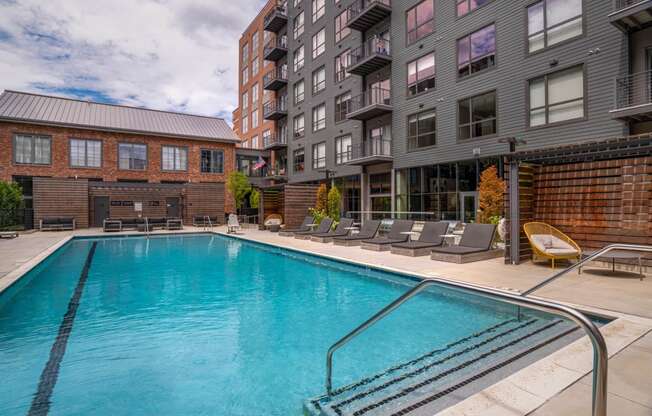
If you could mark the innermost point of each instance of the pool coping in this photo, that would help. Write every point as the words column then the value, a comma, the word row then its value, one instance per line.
column 518, row 394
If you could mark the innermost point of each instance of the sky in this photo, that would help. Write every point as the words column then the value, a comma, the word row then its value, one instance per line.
column 176, row 55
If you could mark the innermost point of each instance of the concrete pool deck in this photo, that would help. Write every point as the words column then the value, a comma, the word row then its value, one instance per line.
column 559, row 384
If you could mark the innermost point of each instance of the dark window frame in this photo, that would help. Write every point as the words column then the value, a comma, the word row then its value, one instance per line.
column 315, row 89
column 177, row 147
column 33, row 153
column 472, row 122
column 417, row 26
column 344, row 30
column 342, row 156
column 295, row 96
column 212, row 152
column 130, row 159
column 493, row 63
column 299, row 166
column 419, row 135
column 316, row 122
column 298, row 65
column 342, row 74
column 302, row 132
column 85, row 166
column 416, row 84
column 340, row 114
column 471, row 10
column 547, row 29
column 546, row 106
column 319, row 162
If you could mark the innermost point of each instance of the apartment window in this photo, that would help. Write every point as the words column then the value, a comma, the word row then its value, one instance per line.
column 319, row 80
column 299, row 125
column 245, row 53
column 31, row 149
column 557, row 97
column 298, row 25
column 299, row 58
column 245, row 123
column 298, row 160
column 342, row 103
column 319, row 155
column 85, row 153
column 174, row 158
column 476, row 51
column 212, row 161
column 245, row 75
column 553, row 21
column 341, row 28
column 132, row 156
column 420, row 21
column 319, row 117
column 476, row 116
column 254, row 95
column 245, row 100
column 341, row 61
column 267, row 137
column 318, row 43
column 254, row 141
column 467, row 6
column 421, row 74
column 342, row 149
column 254, row 66
column 245, row 144
column 422, row 129
column 318, row 9
column 299, row 91
column 254, row 118
column 254, row 42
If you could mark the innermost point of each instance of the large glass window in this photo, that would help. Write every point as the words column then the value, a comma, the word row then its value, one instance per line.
column 174, row 158
column 422, row 129
column 341, row 28
column 85, row 153
column 342, row 103
column 32, row 149
column 212, row 161
column 341, row 61
column 299, row 125
column 476, row 51
column 318, row 43
column 318, row 9
column 477, row 116
column 319, row 117
column 299, row 89
column 132, row 156
column 298, row 160
column 298, row 25
column 245, row 75
column 420, row 21
column 553, row 21
column 319, row 155
column 557, row 97
column 299, row 58
column 245, row 123
column 466, row 6
column 319, row 80
column 254, row 118
column 254, row 95
column 245, row 53
column 245, row 100
column 254, row 66
column 421, row 74
column 342, row 149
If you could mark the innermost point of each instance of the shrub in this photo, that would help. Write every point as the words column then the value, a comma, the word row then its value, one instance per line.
column 491, row 193
column 11, row 197
column 238, row 185
column 334, row 202
column 322, row 198
column 254, row 198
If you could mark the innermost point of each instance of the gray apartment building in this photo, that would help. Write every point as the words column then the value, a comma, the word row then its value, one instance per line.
column 405, row 102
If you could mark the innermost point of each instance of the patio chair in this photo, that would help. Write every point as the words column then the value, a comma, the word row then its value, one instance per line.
column 8, row 234
column 305, row 226
column 342, row 230
column 475, row 245
column 232, row 225
column 112, row 225
column 396, row 235
column 324, row 227
column 57, row 223
column 174, row 224
column 549, row 243
column 273, row 222
column 431, row 237
column 368, row 231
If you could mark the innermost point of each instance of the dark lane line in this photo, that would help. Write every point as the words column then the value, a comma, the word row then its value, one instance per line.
column 41, row 402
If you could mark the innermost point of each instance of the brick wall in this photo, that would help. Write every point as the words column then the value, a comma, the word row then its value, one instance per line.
column 61, row 198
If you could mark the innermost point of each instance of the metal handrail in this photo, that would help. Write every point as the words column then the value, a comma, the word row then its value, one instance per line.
column 210, row 223
column 610, row 247
column 600, row 357
column 146, row 227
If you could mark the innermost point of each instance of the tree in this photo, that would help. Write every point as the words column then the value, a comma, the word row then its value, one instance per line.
column 238, row 185
column 254, row 198
column 491, row 196
column 334, row 202
column 11, row 197
column 322, row 199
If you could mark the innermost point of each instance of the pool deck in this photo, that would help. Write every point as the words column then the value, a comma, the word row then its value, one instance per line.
column 559, row 384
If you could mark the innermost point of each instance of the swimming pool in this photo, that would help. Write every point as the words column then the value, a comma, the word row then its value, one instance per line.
column 206, row 324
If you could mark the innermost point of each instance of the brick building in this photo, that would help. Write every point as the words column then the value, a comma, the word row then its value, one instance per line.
column 106, row 146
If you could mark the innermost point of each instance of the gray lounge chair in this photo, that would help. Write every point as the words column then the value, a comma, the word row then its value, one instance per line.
column 305, row 226
column 431, row 237
column 368, row 231
column 324, row 226
column 475, row 245
column 57, row 223
column 395, row 235
column 342, row 230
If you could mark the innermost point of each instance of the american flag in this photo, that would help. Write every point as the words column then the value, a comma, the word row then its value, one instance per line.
column 260, row 163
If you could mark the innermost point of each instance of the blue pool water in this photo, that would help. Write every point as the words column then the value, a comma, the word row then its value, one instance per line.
column 208, row 325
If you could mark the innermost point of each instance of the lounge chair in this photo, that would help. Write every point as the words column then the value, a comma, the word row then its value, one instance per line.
column 203, row 220
column 431, row 237
column 132, row 223
column 342, row 230
column 232, row 225
column 57, row 223
column 550, row 244
column 155, row 223
column 305, row 226
column 273, row 222
column 324, row 227
column 174, row 224
column 475, row 245
column 368, row 231
column 395, row 235
column 8, row 234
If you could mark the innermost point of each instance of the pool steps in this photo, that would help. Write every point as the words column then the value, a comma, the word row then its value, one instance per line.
column 426, row 384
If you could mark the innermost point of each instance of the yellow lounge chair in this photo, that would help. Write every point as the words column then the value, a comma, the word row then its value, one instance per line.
column 549, row 243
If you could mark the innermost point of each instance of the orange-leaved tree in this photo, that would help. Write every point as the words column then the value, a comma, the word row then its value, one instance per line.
column 322, row 199
column 491, row 193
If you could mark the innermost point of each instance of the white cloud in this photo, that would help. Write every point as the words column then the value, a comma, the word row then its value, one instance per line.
column 166, row 54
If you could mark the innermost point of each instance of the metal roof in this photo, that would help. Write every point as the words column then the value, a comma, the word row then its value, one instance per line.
column 57, row 111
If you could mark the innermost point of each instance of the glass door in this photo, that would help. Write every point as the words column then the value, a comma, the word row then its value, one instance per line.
column 468, row 206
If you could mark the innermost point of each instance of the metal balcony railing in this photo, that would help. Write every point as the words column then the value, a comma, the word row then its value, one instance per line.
column 280, row 10
column 373, row 96
column 280, row 105
column 274, row 140
column 623, row 4
column 374, row 146
column 374, row 46
column 360, row 6
column 276, row 42
column 634, row 90
column 279, row 74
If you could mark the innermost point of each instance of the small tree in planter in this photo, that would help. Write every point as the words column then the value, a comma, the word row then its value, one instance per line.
column 11, row 198
column 320, row 211
column 491, row 196
column 238, row 185
column 254, row 198
column 334, row 203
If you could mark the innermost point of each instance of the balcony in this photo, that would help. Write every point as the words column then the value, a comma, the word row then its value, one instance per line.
column 275, row 109
column 276, row 79
column 276, row 48
column 631, row 15
column 275, row 142
column 370, row 152
column 371, row 56
column 634, row 97
column 363, row 14
column 276, row 18
column 277, row 174
column 372, row 103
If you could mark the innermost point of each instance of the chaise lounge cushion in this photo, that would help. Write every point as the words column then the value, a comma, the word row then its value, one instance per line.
column 551, row 244
column 395, row 234
column 459, row 250
column 368, row 230
column 339, row 231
